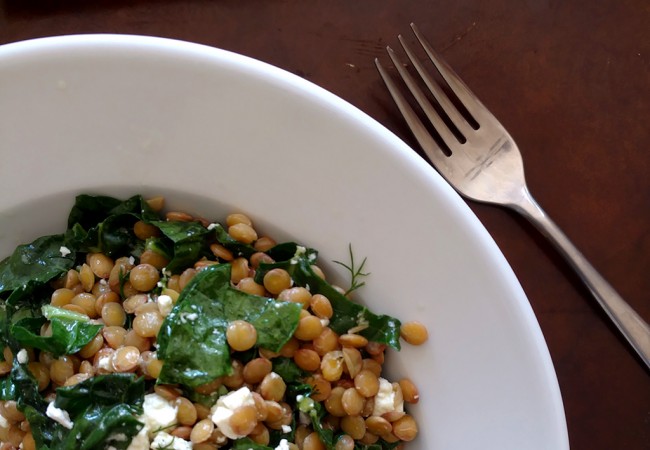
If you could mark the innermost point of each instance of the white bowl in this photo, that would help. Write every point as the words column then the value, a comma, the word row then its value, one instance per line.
column 214, row 132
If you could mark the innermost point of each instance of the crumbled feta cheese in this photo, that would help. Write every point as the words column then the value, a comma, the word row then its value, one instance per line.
column 226, row 405
column 283, row 445
column 119, row 437
column 59, row 415
column 140, row 441
column 212, row 226
column 22, row 356
column 188, row 317
column 65, row 251
column 300, row 251
column 325, row 322
column 286, row 429
column 131, row 260
column 159, row 414
column 385, row 399
column 165, row 304
column 167, row 441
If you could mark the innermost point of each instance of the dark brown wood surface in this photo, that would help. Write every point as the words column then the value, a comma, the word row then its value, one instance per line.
column 569, row 79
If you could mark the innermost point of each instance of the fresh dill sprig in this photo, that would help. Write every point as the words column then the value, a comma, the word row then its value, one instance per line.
column 355, row 272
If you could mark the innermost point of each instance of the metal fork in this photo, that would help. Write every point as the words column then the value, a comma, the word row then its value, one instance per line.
column 485, row 165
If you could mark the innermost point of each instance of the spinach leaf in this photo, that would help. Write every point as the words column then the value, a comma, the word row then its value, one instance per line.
column 91, row 210
column 188, row 241
column 44, row 430
column 192, row 340
column 102, row 410
column 70, row 331
column 104, row 390
column 100, row 427
column 21, row 386
column 287, row 369
column 347, row 314
column 35, row 263
column 100, row 223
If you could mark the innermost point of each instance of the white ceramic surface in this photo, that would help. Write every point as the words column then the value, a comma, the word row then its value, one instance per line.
column 215, row 131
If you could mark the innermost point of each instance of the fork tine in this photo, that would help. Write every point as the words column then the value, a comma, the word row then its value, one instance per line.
column 428, row 144
column 460, row 89
column 443, row 100
column 442, row 129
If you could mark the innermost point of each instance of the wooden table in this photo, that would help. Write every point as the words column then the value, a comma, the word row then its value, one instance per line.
column 569, row 79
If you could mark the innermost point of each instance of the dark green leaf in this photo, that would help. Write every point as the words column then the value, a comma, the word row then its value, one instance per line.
column 24, row 386
column 188, row 241
column 70, row 331
column 102, row 410
column 104, row 390
column 100, row 223
column 35, row 263
column 44, row 430
column 101, row 427
column 192, row 339
column 288, row 370
column 90, row 210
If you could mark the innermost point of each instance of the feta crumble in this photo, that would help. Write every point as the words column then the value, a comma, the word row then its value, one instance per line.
column 59, row 415
column 165, row 304
column 159, row 413
column 283, row 445
column 140, row 441
column 385, row 399
column 119, row 437
column 22, row 356
column 65, row 251
column 223, row 410
column 167, row 441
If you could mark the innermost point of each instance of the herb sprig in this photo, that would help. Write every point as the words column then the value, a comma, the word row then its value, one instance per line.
column 356, row 273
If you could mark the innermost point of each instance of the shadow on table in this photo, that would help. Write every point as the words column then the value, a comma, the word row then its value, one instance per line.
column 25, row 8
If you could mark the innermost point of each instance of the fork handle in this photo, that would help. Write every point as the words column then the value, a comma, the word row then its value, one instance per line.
column 631, row 325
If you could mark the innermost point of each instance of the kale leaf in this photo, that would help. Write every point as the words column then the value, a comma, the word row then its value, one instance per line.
column 192, row 340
